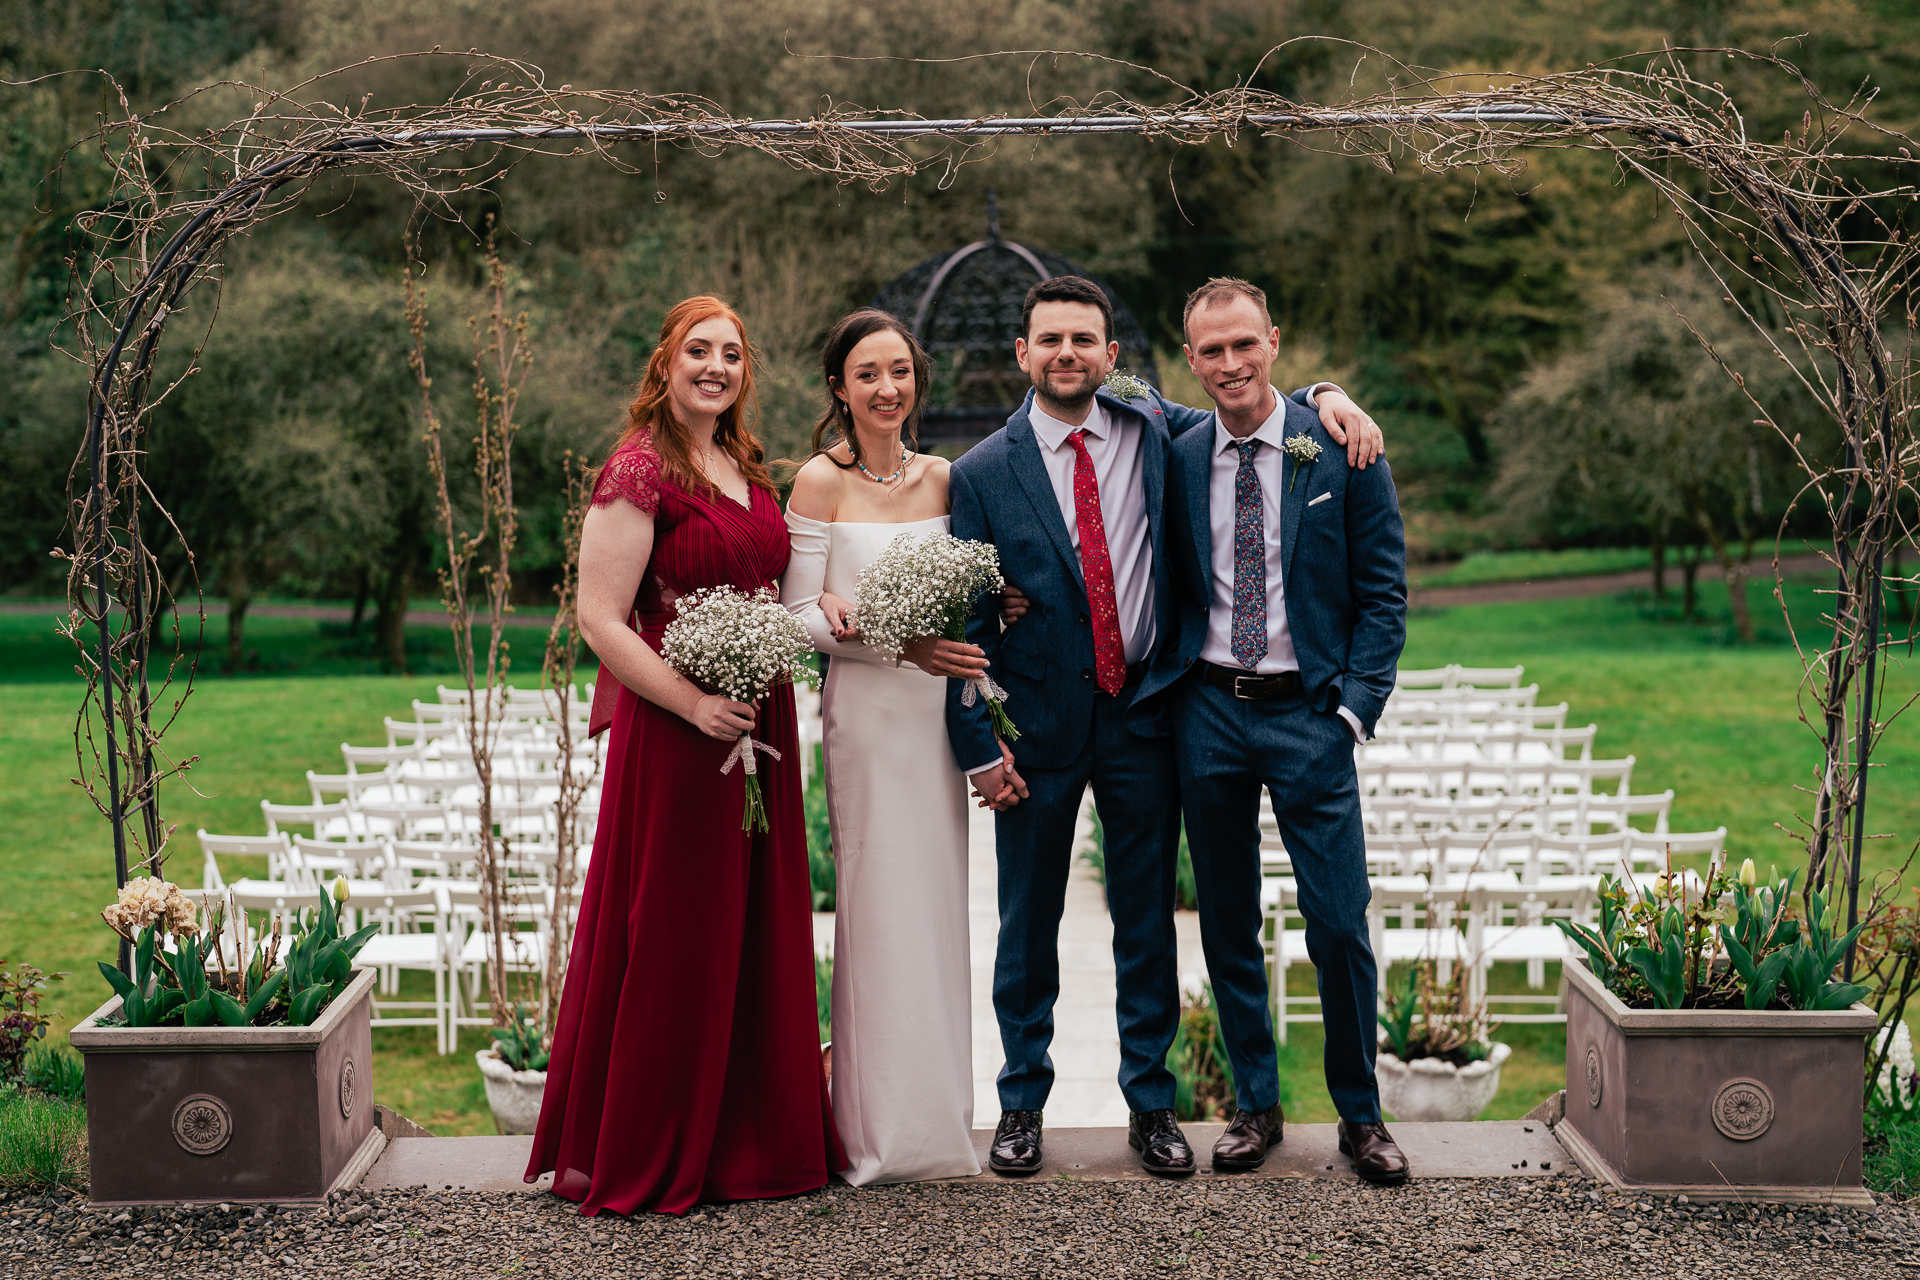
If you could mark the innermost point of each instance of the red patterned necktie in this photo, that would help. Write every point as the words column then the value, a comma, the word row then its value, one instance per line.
column 1109, row 654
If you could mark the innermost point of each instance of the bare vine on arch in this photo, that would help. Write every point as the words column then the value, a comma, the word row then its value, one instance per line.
column 1804, row 233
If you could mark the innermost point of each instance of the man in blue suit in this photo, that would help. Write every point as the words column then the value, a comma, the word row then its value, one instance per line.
column 1071, row 493
column 1290, row 574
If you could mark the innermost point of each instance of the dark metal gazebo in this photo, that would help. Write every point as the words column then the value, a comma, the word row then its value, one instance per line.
column 964, row 306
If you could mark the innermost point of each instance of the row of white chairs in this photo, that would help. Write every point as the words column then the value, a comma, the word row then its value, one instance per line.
column 1478, row 742
column 1455, row 676
column 436, row 927
column 1474, row 901
column 304, row 863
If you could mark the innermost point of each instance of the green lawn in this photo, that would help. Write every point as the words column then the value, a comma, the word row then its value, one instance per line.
column 1530, row 566
column 1709, row 718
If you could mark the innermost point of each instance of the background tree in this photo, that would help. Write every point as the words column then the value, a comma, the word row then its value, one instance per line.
column 1641, row 418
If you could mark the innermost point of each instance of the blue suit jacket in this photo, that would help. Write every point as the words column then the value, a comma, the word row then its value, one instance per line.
column 1344, row 563
column 1000, row 493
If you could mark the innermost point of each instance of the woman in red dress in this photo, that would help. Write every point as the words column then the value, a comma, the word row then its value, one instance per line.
column 686, row 1057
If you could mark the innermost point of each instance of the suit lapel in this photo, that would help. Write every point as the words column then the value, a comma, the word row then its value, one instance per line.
column 1293, row 498
column 1198, row 444
column 1153, row 473
column 1023, row 458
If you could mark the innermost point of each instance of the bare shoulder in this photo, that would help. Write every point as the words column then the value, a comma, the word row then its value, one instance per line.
column 816, row 489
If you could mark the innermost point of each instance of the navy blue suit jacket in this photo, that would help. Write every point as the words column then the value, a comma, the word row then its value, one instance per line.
column 1344, row 563
column 1000, row 493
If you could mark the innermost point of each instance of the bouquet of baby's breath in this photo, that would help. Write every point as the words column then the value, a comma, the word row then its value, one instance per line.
column 739, row 646
column 925, row 585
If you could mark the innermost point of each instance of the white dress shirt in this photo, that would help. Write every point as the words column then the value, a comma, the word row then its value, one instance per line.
column 1115, row 449
column 1267, row 459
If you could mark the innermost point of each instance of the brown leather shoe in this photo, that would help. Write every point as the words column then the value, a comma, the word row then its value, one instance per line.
column 1245, row 1143
column 1375, row 1157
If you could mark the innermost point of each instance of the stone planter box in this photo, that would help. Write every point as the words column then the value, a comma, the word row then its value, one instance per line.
column 1719, row 1104
column 231, row 1113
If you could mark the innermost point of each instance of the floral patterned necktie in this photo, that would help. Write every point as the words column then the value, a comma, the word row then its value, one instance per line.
column 1249, row 638
column 1096, row 566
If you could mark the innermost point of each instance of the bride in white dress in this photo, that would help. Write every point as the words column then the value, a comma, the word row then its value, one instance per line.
column 896, row 797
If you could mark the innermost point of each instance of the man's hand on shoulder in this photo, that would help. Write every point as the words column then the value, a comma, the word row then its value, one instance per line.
column 1351, row 426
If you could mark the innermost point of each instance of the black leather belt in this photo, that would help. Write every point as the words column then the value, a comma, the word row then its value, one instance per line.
column 1247, row 685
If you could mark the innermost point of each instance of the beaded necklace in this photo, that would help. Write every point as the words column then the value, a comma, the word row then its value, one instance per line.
column 905, row 458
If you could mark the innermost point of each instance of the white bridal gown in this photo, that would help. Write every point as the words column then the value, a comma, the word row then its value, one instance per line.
column 902, row 1002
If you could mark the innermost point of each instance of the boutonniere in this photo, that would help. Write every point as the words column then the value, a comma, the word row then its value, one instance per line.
column 1303, row 449
column 1126, row 386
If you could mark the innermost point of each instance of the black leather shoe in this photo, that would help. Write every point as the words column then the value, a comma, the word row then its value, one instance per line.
column 1245, row 1144
column 1375, row 1156
column 1016, row 1144
column 1163, row 1148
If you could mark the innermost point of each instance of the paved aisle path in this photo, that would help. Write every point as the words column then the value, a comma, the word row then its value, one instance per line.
column 1086, row 1039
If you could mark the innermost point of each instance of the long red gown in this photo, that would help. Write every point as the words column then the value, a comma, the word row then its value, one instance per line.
column 686, row 1058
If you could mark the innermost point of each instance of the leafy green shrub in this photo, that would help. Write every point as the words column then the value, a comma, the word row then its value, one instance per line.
column 820, row 867
column 43, row 1142
column 520, row 1044
column 1202, row 1076
column 57, row 1072
column 21, row 1022
column 823, row 993
column 1890, row 1157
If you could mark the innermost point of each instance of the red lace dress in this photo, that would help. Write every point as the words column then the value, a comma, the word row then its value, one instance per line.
column 686, row 1057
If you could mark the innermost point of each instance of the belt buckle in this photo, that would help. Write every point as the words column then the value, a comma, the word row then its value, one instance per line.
column 1246, row 697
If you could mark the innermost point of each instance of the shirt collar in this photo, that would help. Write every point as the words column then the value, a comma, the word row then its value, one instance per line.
column 1272, row 432
column 1053, row 433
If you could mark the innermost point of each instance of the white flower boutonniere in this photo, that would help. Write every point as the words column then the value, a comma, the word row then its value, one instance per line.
column 1303, row 449
column 1126, row 386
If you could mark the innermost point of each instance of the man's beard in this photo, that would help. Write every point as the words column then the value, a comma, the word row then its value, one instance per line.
column 1075, row 400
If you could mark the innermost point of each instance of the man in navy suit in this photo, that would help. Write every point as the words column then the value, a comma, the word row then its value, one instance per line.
column 1290, row 572
column 1071, row 493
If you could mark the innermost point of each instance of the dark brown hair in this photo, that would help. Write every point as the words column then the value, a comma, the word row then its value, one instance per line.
column 1223, row 289
column 1067, row 289
column 652, row 408
column 837, row 422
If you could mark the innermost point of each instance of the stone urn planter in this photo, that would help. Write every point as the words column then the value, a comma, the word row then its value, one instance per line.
column 231, row 1113
column 1431, row 1089
column 1720, row 1104
column 513, row 1095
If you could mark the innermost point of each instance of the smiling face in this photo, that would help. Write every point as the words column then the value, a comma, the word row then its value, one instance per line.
column 1066, row 352
column 1231, row 347
column 877, row 384
column 705, row 376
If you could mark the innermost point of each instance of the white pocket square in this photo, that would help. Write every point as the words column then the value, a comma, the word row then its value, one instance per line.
column 1322, row 498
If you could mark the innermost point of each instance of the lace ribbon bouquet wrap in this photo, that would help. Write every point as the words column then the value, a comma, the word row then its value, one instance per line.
column 926, row 585
column 739, row 646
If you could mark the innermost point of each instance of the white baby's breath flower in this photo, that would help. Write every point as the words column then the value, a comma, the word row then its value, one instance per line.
column 926, row 585
column 735, row 644
column 739, row 646
column 923, row 585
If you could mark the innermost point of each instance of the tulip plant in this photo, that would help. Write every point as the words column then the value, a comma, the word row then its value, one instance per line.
column 194, row 987
column 1664, row 946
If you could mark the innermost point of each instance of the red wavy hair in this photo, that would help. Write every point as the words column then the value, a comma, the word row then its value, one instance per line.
column 651, row 410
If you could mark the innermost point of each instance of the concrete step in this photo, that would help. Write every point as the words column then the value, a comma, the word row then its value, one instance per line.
column 1475, row 1149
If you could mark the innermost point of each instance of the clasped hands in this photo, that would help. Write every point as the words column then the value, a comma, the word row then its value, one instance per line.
column 999, row 787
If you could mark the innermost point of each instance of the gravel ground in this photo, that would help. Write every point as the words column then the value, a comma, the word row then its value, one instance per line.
column 1555, row 1226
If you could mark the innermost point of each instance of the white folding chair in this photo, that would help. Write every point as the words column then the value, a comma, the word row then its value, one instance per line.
column 326, row 821
column 524, row 950
column 416, row 935
column 273, row 848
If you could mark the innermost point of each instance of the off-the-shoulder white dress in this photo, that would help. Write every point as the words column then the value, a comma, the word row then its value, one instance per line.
column 902, row 1005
